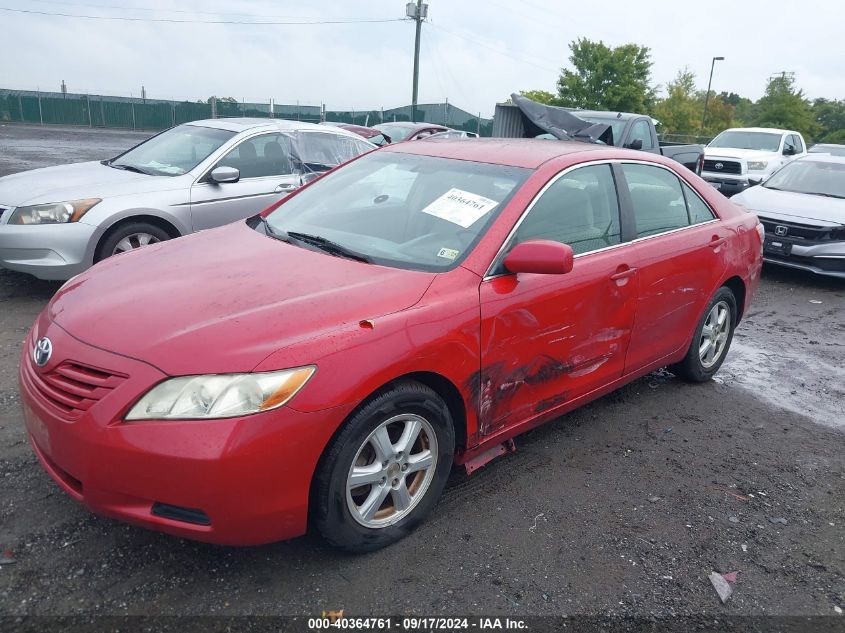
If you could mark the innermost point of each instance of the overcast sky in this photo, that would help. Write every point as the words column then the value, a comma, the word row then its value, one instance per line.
column 475, row 52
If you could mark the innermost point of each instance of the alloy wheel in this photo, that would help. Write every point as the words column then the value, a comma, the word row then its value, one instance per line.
column 392, row 471
column 133, row 241
column 714, row 334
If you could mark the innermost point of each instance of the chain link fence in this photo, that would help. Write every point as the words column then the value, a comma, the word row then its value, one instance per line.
column 59, row 108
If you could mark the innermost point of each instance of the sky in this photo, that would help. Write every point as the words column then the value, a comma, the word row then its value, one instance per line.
column 473, row 52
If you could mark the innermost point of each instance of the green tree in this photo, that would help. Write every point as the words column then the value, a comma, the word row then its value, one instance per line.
column 830, row 115
column 540, row 96
column 604, row 78
column 680, row 111
column 784, row 106
column 720, row 114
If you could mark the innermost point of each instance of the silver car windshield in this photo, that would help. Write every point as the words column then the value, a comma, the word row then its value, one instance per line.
column 173, row 152
column 401, row 210
column 821, row 178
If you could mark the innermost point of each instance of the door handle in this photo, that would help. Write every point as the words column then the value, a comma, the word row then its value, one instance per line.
column 284, row 187
column 623, row 274
column 717, row 241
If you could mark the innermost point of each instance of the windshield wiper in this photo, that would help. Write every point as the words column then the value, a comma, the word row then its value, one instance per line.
column 328, row 246
column 268, row 229
column 826, row 195
column 126, row 167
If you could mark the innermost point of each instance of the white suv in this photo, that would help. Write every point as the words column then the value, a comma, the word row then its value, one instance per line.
column 741, row 157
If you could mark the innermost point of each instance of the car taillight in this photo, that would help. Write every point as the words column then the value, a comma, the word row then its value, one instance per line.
column 761, row 231
column 700, row 164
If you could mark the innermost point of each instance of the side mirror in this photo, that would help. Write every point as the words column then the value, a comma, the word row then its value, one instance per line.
column 224, row 174
column 635, row 144
column 540, row 256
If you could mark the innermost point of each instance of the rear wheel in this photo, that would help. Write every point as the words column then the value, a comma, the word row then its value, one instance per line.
column 711, row 340
column 385, row 470
column 130, row 236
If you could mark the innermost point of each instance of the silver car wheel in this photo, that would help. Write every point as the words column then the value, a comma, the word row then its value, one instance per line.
column 714, row 334
column 392, row 471
column 133, row 241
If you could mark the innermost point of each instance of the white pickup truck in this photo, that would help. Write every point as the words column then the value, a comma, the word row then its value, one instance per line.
column 741, row 157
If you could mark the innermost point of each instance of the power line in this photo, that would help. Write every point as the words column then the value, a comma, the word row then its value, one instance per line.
column 508, row 54
column 191, row 12
column 175, row 21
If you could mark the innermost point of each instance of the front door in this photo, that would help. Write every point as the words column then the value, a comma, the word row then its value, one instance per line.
column 265, row 165
column 548, row 339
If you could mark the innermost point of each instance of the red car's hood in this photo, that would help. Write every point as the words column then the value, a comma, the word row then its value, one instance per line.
column 222, row 300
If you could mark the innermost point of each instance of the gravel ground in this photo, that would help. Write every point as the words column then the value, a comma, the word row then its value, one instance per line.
column 623, row 507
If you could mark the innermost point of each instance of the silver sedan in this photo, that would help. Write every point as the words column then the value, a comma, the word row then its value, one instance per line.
column 57, row 221
column 802, row 207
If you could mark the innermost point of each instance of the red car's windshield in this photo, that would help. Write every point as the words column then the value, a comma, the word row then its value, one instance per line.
column 403, row 210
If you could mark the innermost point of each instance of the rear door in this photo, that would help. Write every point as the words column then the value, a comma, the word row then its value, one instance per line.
column 267, row 174
column 547, row 339
column 679, row 253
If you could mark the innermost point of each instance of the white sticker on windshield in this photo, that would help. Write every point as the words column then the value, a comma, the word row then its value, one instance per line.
column 448, row 253
column 460, row 207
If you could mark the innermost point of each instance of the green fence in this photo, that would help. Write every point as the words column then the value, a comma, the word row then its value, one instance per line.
column 52, row 108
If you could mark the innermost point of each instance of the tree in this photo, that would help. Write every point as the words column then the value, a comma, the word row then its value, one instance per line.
column 540, row 96
column 830, row 116
column 680, row 111
column 616, row 79
column 784, row 106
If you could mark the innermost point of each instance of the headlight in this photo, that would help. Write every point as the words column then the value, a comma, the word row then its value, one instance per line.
column 757, row 165
column 53, row 212
column 220, row 395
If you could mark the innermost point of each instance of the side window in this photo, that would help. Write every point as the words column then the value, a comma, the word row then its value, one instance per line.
column 796, row 143
column 658, row 201
column 789, row 143
column 698, row 210
column 580, row 209
column 261, row 156
column 640, row 130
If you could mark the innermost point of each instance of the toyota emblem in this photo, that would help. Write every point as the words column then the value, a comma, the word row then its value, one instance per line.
column 781, row 230
column 42, row 352
column 719, row 166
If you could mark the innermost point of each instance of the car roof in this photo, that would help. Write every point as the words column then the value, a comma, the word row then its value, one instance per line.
column 410, row 125
column 606, row 114
column 241, row 124
column 515, row 152
column 770, row 130
column 827, row 145
column 822, row 158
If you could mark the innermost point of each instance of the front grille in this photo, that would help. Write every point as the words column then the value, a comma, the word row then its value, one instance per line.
column 71, row 388
column 802, row 233
column 722, row 166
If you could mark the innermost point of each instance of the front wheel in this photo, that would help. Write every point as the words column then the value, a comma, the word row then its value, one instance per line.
column 385, row 470
column 711, row 340
column 128, row 237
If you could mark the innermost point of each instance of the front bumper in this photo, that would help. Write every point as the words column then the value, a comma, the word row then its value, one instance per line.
column 730, row 185
column 249, row 477
column 826, row 259
column 50, row 251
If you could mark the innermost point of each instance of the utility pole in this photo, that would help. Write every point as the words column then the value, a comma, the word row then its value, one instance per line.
column 707, row 96
column 418, row 12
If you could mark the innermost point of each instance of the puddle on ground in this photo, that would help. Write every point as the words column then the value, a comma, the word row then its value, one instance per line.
column 803, row 384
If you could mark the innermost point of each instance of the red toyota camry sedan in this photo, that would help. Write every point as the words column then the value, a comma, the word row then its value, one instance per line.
column 327, row 362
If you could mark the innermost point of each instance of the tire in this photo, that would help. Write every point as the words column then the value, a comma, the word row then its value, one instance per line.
column 134, row 234
column 370, row 516
column 702, row 361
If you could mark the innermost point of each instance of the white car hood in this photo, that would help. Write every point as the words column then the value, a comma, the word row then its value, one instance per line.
column 788, row 205
column 730, row 152
column 78, row 181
